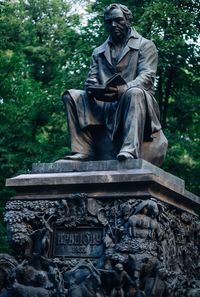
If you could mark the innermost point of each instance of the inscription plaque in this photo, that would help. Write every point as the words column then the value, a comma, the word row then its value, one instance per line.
column 83, row 242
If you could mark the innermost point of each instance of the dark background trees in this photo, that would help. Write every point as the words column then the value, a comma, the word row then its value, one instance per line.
column 45, row 49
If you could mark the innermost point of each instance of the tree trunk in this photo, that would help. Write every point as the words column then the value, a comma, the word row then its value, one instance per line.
column 167, row 95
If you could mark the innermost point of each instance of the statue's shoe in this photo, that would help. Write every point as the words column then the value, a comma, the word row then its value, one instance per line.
column 79, row 157
column 124, row 156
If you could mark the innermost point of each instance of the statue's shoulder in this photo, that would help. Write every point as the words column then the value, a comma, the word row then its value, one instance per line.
column 100, row 49
column 138, row 42
column 147, row 42
column 142, row 41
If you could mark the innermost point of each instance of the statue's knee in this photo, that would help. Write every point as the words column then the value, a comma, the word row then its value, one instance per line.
column 135, row 93
column 66, row 98
column 135, row 96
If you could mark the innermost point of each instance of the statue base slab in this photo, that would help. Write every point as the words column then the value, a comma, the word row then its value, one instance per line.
column 100, row 179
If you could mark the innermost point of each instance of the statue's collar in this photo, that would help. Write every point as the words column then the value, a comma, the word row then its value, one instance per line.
column 132, row 34
column 132, row 41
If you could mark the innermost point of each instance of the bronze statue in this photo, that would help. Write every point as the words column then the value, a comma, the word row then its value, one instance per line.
column 119, row 278
column 118, row 95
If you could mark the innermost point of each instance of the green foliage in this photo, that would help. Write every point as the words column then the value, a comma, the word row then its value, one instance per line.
column 45, row 49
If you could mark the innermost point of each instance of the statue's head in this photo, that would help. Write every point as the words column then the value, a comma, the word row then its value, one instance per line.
column 127, row 14
column 148, row 207
column 117, row 19
column 119, row 267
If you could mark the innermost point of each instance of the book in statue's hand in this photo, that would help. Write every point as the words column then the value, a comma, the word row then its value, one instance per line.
column 98, row 91
column 115, row 80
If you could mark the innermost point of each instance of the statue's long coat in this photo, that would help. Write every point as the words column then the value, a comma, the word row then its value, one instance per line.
column 137, row 65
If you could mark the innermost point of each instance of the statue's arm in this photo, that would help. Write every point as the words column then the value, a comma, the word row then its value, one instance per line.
column 93, row 75
column 101, row 94
column 128, row 278
column 146, row 68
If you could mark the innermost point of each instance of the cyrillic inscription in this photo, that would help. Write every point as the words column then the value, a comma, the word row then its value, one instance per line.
column 79, row 242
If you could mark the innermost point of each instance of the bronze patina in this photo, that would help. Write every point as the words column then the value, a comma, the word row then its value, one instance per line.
column 118, row 96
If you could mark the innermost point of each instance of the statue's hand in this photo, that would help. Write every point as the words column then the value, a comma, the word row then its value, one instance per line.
column 91, row 81
column 113, row 93
column 110, row 95
column 121, row 90
column 101, row 93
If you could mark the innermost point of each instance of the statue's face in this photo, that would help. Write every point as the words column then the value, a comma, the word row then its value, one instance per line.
column 116, row 24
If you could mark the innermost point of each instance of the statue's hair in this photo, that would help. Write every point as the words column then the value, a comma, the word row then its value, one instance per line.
column 127, row 13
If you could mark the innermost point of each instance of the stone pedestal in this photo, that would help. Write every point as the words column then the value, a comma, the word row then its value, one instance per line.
column 102, row 229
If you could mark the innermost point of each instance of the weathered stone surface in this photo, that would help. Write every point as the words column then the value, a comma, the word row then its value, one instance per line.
column 73, row 166
column 70, row 244
column 102, row 178
column 62, row 166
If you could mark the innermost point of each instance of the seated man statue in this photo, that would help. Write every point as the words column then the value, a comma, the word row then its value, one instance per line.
column 118, row 95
